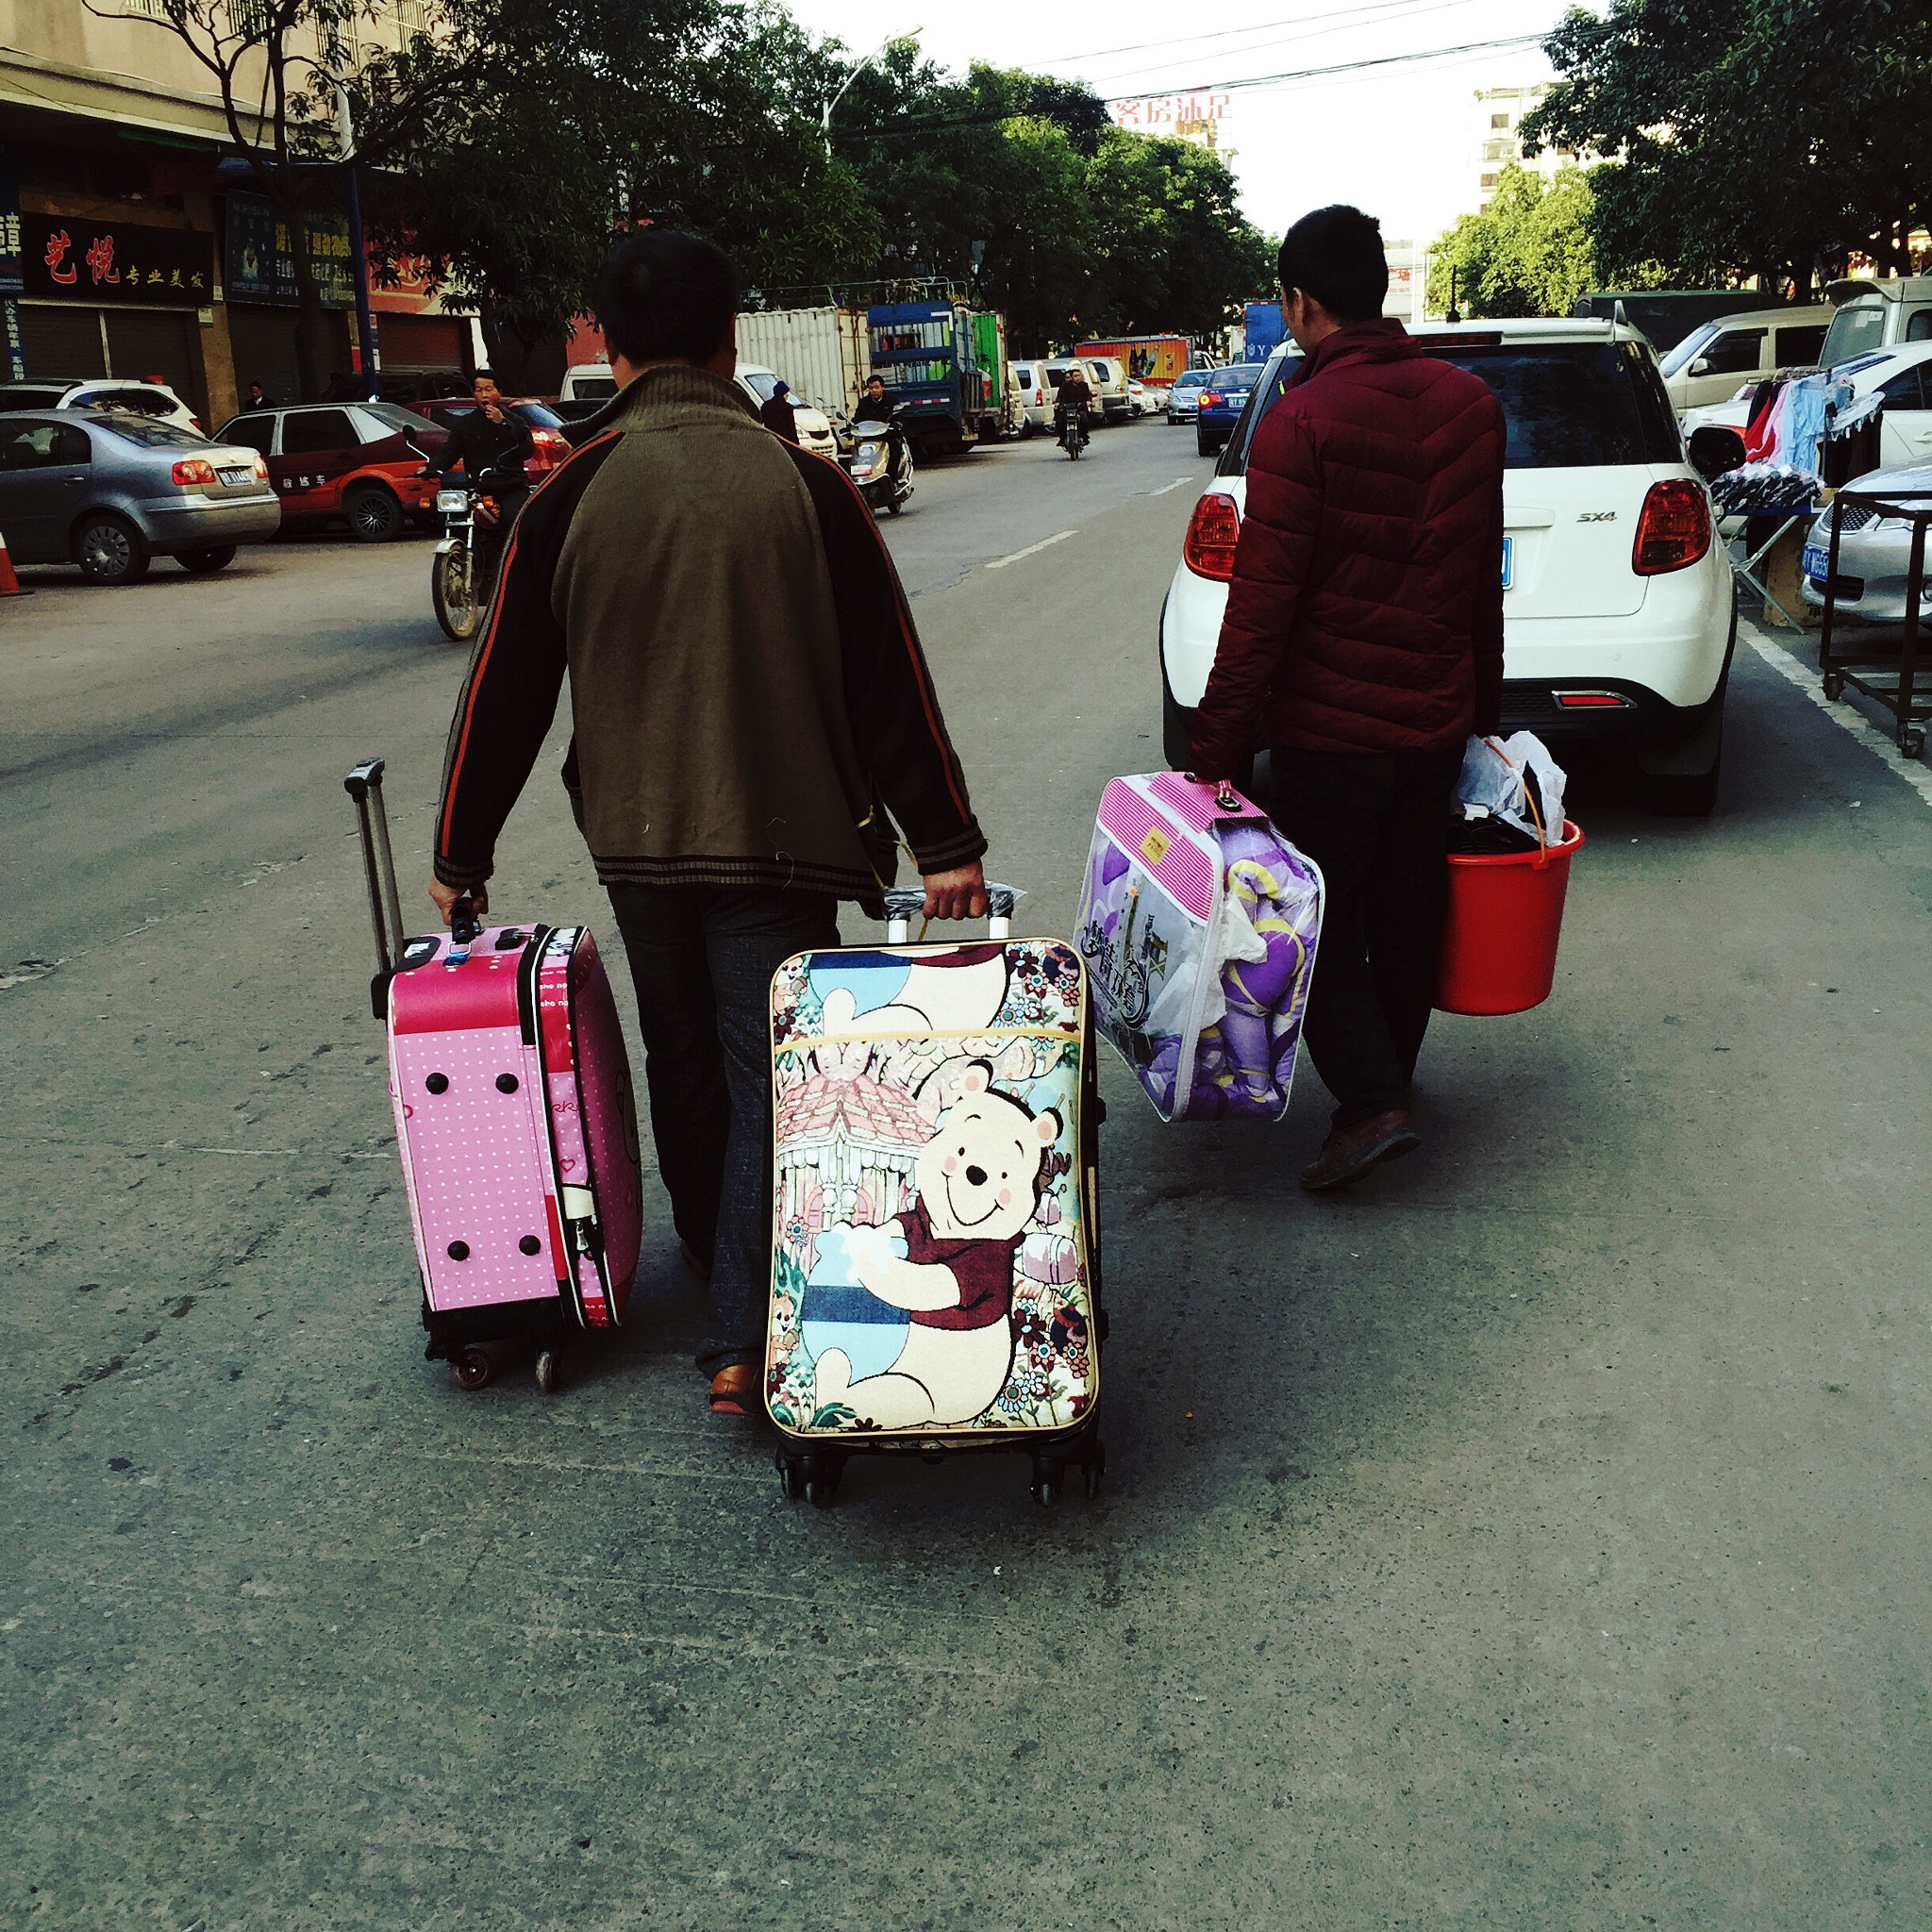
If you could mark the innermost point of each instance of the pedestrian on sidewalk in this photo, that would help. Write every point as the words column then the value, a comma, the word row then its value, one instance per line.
column 780, row 415
column 1363, row 642
column 750, row 702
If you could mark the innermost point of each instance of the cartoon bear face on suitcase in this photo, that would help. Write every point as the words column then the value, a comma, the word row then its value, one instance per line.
column 945, row 1264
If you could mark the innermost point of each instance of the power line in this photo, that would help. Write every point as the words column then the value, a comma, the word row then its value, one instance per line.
column 939, row 124
column 1262, row 27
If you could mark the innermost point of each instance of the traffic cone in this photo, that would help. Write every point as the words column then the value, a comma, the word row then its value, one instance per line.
column 10, row 586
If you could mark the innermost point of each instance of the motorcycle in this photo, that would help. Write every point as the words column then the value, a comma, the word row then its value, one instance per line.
column 462, row 577
column 1074, row 433
column 881, row 469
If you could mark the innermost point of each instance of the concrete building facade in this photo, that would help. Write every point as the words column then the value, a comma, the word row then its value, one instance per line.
column 126, row 248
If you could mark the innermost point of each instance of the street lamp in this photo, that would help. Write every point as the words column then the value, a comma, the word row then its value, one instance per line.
column 891, row 40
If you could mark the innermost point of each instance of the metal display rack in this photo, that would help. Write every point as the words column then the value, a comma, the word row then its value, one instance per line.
column 1885, row 665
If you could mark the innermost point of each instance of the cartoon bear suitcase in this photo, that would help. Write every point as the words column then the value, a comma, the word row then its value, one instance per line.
column 514, row 1120
column 936, row 1253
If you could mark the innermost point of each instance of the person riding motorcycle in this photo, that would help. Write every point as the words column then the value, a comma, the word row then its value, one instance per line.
column 1072, row 400
column 492, row 446
column 875, row 407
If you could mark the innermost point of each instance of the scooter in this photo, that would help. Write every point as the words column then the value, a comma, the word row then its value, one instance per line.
column 881, row 469
column 461, row 579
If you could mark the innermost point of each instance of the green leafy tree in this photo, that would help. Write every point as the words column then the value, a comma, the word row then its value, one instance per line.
column 1528, row 253
column 1773, row 138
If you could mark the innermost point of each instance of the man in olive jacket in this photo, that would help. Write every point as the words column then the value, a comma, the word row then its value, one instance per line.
column 750, row 703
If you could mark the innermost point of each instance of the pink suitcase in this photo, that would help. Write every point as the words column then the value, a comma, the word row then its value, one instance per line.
column 514, row 1120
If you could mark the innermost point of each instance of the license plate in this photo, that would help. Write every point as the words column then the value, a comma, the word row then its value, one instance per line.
column 1509, row 560
column 236, row 475
column 1817, row 562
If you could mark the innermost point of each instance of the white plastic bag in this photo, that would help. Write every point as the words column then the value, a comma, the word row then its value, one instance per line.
column 1491, row 776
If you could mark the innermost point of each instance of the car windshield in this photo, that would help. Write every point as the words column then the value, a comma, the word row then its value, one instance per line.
column 1857, row 327
column 762, row 380
column 395, row 416
column 588, row 385
column 1686, row 350
column 1237, row 376
column 1573, row 406
column 539, row 415
column 148, row 431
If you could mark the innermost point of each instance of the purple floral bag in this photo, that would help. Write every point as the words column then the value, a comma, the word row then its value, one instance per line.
column 1198, row 923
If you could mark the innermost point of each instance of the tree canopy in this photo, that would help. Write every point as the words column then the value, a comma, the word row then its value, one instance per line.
column 1773, row 138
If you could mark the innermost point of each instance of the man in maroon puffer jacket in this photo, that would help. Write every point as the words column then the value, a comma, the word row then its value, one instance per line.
column 1364, row 635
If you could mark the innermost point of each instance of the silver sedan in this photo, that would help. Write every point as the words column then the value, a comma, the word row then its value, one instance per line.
column 111, row 490
column 1875, row 553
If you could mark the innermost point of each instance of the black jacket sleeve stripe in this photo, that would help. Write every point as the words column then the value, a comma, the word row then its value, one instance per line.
column 888, row 692
column 510, row 695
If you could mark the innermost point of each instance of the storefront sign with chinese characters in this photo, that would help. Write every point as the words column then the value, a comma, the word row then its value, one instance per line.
column 10, row 226
column 113, row 263
column 261, row 264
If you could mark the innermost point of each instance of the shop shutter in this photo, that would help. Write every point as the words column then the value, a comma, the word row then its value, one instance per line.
column 421, row 341
column 154, row 342
column 62, row 341
column 263, row 342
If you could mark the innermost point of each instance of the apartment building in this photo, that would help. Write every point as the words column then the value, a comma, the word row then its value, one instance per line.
column 1500, row 114
column 127, row 248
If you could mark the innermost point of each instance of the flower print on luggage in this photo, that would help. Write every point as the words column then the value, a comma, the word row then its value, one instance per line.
column 928, row 1273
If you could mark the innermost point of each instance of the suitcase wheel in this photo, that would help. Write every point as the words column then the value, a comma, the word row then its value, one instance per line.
column 472, row 1368
column 1094, row 1467
column 791, row 1475
column 823, row 1469
column 1048, row 1474
column 549, row 1370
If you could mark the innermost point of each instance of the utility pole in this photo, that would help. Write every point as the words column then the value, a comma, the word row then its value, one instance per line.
column 358, row 251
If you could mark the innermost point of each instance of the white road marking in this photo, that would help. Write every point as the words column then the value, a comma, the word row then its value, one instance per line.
column 1806, row 677
column 1032, row 549
column 1166, row 487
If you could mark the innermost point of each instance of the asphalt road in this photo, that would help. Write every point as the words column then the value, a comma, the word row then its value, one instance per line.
column 1536, row 1537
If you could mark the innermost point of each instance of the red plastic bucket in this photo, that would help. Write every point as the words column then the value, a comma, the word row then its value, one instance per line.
column 1499, row 937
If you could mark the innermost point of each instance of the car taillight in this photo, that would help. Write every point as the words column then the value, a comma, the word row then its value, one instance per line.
column 1213, row 531
column 1211, row 399
column 196, row 421
column 261, row 469
column 1673, row 529
column 194, row 470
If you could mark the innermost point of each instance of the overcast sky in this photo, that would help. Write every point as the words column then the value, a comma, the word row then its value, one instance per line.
column 1398, row 140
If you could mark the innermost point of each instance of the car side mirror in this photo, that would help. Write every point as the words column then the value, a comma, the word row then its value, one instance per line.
column 1699, row 367
column 1715, row 451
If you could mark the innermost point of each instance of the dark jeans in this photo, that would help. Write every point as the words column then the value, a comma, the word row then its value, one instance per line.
column 1378, row 827
column 702, row 960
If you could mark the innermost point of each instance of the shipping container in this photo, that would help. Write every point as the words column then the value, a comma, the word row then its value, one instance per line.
column 823, row 353
column 1152, row 359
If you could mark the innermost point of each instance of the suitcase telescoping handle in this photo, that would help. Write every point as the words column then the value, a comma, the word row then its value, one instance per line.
column 904, row 902
column 364, row 784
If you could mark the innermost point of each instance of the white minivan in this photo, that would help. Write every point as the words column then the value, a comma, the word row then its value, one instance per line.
column 1876, row 315
column 1027, row 380
column 1715, row 360
column 1617, row 606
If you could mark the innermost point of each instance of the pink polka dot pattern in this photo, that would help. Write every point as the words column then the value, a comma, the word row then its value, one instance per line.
column 474, row 1164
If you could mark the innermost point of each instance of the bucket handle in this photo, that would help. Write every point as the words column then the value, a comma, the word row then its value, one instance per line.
column 1543, row 837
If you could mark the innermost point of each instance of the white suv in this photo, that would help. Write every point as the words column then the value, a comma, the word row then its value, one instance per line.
column 155, row 400
column 1619, row 618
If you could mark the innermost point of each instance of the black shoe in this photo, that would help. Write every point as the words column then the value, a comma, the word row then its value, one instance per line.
column 1349, row 1153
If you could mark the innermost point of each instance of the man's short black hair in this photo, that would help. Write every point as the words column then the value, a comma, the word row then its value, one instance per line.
column 477, row 375
column 1335, row 255
column 661, row 293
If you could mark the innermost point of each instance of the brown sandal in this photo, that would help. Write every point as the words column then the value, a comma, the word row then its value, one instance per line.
column 733, row 1389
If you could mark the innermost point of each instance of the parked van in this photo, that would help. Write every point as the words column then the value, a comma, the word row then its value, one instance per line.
column 1718, row 358
column 1876, row 315
column 1028, row 379
column 588, row 382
